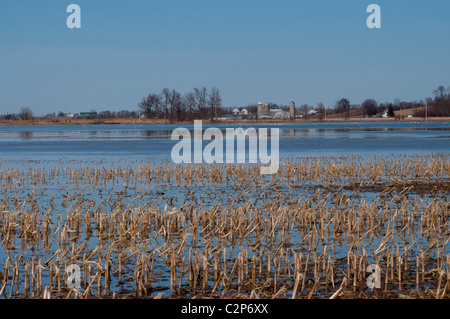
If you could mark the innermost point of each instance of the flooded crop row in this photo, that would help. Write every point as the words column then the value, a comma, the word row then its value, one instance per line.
column 316, row 229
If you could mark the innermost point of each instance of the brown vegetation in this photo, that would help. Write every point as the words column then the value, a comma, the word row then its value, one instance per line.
column 310, row 231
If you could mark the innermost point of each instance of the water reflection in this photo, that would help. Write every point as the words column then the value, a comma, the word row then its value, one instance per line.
column 26, row 135
column 155, row 132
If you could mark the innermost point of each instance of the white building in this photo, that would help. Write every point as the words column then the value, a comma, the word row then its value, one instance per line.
column 274, row 114
column 281, row 115
column 242, row 112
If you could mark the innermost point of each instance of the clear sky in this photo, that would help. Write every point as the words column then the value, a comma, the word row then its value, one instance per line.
column 253, row 50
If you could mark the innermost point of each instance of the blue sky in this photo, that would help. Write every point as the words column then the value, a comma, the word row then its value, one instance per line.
column 252, row 50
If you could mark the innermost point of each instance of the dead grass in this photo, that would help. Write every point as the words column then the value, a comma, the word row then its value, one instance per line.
column 311, row 231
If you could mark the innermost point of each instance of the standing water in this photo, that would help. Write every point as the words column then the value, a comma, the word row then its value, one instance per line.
column 109, row 200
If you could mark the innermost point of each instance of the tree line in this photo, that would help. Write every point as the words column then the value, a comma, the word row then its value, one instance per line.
column 200, row 103
column 205, row 104
column 438, row 106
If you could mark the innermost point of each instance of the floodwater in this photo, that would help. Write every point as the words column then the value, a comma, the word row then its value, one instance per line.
column 153, row 142
column 25, row 147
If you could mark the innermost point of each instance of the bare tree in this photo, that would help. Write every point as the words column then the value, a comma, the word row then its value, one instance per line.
column 305, row 109
column 321, row 111
column 214, row 102
column 439, row 92
column 441, row 102
column 177, row 106
column 370, row 107
column 26, row 113
column 172, row 105
column 166, row 97
column 201, row 98
column 397, row 102
column 343, row 106
column 190, row 105
column 150, row 105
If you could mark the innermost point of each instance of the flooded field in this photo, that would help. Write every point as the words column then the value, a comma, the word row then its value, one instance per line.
column 348, row 198
column 153, row 143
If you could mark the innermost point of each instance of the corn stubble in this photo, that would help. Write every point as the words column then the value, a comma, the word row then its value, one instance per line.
column 225, row 231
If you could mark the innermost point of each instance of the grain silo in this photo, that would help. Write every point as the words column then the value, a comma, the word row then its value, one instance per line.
column 292, row 110
column 260, row 108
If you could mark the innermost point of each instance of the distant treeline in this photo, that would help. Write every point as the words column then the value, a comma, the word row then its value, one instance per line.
column 27, row 114
column 205, row 104
column 439, row 106
column 170, row 104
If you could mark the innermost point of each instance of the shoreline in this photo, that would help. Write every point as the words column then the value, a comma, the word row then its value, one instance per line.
column 127, row 121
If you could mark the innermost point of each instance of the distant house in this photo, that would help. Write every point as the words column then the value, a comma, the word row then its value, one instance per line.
column 242, row 112
column 88, row 113
column 265, row 115
column 274, row 114
column 385, row 114
column 281, row 115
